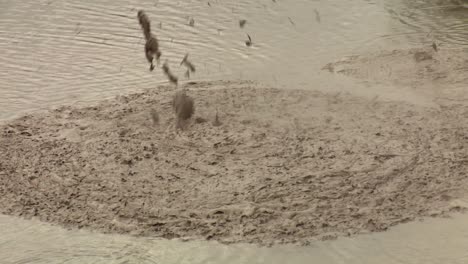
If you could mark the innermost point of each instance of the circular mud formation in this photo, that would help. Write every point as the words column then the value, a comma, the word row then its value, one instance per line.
column 281, row 166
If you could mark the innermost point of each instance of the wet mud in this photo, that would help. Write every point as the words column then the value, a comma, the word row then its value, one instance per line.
column 279, row 166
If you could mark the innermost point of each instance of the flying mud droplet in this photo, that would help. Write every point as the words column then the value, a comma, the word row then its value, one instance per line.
column 78, row 28
column 170, row 76
column 187, row 63
column 145, row 23
column 192, row 22
column 152, row 51
column 248, row 42
column 317, row 16
column 152, row 45
column 184, row 108
column 242, row 23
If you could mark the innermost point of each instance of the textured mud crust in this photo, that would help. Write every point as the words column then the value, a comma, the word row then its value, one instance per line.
column 281, row 166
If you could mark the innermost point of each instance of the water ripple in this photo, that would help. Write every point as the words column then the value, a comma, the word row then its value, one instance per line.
column 56, row 52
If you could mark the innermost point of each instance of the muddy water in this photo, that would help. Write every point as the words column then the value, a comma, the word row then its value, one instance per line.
column 61, row 52
column 443, row 21
column 432, row 241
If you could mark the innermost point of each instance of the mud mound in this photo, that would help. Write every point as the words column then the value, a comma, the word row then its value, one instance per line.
column 282, row 166
column 443, row 72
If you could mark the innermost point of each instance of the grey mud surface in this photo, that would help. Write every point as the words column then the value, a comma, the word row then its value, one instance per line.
column 284, row 166
column 442, row 73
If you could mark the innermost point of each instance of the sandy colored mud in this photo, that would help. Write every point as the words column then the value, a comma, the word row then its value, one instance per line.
column 441, row 74
column 283, row 165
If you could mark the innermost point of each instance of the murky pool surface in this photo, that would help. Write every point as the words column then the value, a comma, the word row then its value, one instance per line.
column 433, row 241
column 72, row 52
column 68, row 51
